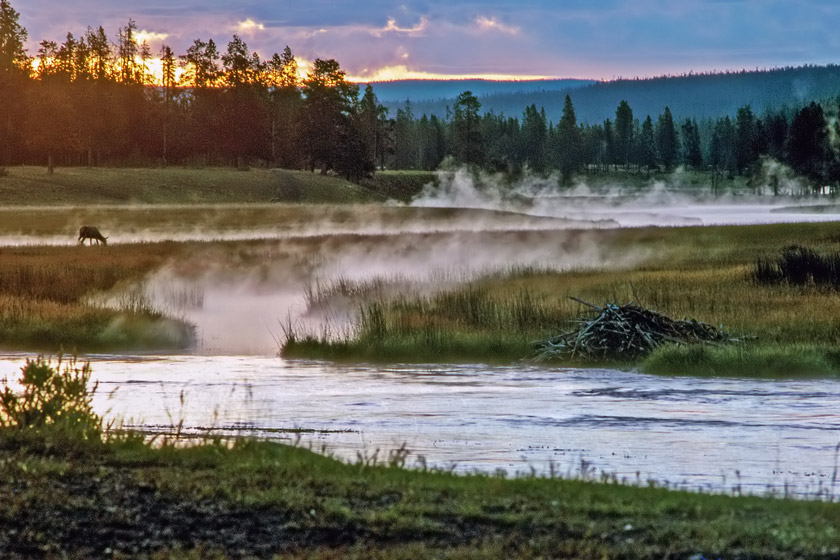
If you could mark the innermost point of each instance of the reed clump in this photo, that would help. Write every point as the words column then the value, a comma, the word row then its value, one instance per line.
column 799, row 266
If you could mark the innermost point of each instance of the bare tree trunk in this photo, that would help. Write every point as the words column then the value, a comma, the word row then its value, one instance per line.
column 165, row 127
column 50, row 165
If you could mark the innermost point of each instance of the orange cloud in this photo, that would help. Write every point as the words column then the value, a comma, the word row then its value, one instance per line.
column 402, row 72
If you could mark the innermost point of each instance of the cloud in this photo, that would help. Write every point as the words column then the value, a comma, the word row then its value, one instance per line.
column 392, row 27
column 248, row 27
column 492, row 24
column 151, row 36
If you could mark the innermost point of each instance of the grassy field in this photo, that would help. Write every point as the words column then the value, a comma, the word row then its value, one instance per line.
column 75, row 488
column 174, row 185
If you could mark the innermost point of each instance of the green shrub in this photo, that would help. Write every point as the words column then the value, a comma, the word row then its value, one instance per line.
column 55, row 399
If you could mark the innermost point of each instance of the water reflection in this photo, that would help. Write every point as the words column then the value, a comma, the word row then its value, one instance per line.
column 713, row 434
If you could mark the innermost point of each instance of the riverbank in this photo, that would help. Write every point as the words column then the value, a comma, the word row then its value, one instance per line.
column 126, row 499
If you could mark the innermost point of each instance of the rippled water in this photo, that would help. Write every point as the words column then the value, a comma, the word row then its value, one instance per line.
column 714, row 434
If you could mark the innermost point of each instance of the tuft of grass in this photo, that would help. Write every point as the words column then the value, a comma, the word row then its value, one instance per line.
column 799, row 266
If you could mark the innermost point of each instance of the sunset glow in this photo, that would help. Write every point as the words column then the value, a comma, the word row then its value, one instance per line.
column 390, row 40
column 401, row 72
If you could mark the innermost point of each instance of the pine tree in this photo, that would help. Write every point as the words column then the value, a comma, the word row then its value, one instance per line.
column 468, row 143
column 647, row 145
column 808, row 148
column 692, row 152
column 745, row 140
column 568, row 142
column 667, row 140
column 624, row 133
column 13, row 57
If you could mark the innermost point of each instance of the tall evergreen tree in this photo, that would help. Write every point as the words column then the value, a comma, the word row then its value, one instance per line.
column 14, row 71
column 692, row 151
column 624, row 133
column 647, row 145
column 168, row 82
column 722, row 151
column 745, row 140
column 467, row 141
column 13, row 57
column 808, row 148
column 372, row 119
column 568, row 142
column 127, row 52
column 286, row 102
column 533, row 138
column 406, row 148
column 329, row 138
column 667, row 139
column 609, row 144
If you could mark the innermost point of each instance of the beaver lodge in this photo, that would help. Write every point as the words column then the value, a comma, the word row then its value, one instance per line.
column 626, row 332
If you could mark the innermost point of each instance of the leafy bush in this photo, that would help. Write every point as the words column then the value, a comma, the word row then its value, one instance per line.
column 54, row 398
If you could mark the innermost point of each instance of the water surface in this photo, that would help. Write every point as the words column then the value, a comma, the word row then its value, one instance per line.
column 711, row 434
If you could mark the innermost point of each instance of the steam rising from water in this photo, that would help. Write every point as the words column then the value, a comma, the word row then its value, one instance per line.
column 310, row 266
column 240, row 305
column 777, row 198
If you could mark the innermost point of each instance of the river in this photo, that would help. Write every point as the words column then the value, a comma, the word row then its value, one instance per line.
column 719, row 435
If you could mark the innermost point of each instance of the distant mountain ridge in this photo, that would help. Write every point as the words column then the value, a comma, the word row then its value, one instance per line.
column 397, row 91
column 693, row 95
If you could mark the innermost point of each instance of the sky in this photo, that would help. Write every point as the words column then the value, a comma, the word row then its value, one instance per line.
column 496, row 39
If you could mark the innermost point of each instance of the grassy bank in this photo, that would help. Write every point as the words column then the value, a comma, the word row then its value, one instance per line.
column 700, row 273
column 74, row 488
column 45, row 305
column 262, row 500
column 174, row 185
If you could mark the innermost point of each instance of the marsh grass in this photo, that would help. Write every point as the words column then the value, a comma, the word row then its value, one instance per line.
column 691, row 273
column 45, row 305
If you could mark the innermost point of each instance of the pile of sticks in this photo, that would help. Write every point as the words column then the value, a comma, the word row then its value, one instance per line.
column 625, row 332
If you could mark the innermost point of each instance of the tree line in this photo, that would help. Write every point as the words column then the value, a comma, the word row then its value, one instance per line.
column 91, row 101
column 800, row 138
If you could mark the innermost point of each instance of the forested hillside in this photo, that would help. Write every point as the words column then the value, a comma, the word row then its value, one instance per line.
column 393, row 94
column 695, row 95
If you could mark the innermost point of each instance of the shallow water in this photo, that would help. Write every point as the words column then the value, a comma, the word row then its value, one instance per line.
column 711, row 434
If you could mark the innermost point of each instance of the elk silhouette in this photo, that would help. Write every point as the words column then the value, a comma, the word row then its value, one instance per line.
column 91, row 233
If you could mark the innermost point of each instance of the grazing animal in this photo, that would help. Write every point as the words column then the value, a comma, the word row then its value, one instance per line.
column 91, row 233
